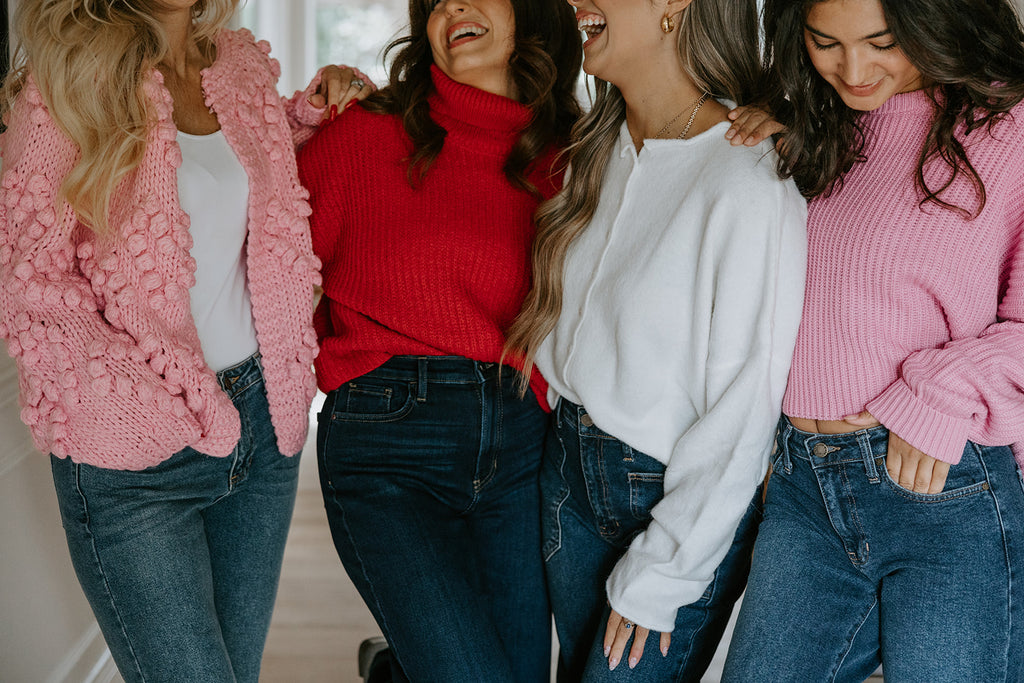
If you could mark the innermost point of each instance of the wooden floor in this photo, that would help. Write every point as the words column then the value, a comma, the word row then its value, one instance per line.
column 319, row 619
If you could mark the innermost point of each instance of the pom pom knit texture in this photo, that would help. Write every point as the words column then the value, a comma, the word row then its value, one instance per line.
column 111, row 369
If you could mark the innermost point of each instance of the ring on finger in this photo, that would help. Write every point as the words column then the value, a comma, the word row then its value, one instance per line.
column 357, row 83
column 627, row 624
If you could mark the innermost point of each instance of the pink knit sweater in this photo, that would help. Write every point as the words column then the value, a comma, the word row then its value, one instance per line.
column 110, row 364
column 912, row 311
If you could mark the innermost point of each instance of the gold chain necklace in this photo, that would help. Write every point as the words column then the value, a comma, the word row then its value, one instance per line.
column 696, row 105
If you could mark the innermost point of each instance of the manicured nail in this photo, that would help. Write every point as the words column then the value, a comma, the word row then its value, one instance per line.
column 729, row 134
column 349, row 104
column 334, row 111
column 607, row 650
column 612, row 663
column 664, row 651
column 633, row 661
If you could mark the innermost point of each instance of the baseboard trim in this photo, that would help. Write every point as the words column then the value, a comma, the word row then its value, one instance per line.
column 87, row 661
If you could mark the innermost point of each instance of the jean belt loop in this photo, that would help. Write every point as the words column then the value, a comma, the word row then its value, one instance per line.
column 421, row 380
column 557, row 410
column 332, row 396
column 868, row 455
column 787, row 462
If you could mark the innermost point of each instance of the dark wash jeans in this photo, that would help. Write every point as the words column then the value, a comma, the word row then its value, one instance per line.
column 428, row 467
column 597, row 495
column 850, row 569
column 180, row 561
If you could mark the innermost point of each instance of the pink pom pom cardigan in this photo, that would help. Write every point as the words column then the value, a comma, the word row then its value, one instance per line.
column 110, row 365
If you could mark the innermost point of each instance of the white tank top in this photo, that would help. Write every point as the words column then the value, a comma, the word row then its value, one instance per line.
column 213, row 189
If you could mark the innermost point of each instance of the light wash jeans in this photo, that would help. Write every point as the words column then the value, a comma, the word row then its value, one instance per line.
column 851, row 570
column 180, row 561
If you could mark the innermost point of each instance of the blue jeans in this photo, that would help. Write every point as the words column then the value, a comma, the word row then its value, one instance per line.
column 597, row 494
column 180, row 561
column 851, row 570
column 428, row 467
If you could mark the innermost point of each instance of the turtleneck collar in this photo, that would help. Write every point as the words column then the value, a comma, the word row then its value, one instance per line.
column 494, row 122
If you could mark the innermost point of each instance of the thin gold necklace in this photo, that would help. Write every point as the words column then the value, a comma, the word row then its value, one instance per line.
column 695, row 105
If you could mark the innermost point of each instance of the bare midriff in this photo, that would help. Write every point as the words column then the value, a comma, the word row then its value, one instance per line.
column 822, row 426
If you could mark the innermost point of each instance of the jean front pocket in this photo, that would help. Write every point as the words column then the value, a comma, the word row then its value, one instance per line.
column 966, row 478
column 373, row 399
column 645, row 490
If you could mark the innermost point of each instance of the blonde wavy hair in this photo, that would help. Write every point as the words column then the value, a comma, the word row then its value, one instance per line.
column 718, row 46
column 90, row 59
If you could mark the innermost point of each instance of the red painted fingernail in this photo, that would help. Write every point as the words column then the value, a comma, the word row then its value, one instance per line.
column 334, row 111
column 349, row 104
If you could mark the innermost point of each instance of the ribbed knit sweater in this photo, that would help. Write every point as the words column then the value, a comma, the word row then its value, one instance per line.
column 437, row 269
column 912, row 311
column 111, row 369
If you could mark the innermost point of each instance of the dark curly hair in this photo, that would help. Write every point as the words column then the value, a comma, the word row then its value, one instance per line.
column 545, row 65
column 970, row 54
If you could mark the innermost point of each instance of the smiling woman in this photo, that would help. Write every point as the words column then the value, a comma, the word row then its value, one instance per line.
column 472, row 53
column 893, row 477
column 422, row 203
column 859, row 58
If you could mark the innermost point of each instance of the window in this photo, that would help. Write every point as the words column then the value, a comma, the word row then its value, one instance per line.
column 356, row 32
column 310, row 33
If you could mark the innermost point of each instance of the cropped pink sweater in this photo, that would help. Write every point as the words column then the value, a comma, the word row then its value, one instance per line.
column 110, row 365
column 914, row 312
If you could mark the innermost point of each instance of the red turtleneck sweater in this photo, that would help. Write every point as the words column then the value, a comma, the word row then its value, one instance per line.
column 439, row 269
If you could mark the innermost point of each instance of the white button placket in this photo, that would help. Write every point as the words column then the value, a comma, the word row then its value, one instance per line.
column 627, row 151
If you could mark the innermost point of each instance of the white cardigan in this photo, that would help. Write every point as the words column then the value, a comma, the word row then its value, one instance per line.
column 681, row 305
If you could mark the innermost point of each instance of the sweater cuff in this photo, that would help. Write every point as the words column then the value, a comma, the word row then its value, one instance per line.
column 304, row 112
column 648, row 597
column 926, row 429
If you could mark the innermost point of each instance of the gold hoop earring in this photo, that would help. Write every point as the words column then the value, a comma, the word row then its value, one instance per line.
column 668, row 24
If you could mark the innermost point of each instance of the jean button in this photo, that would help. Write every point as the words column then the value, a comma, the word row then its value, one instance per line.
column 821, row 450
column 586, row 420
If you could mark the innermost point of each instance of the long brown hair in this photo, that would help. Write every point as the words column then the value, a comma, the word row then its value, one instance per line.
column 545, row 64
column 970, row 53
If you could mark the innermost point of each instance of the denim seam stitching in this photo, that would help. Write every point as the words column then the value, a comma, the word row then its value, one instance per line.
column 955, row 494
column 944, row 496
column 855, row 557
column 99, row 563
column 561, row 501
column 377, row 418
column 849, row 641
column 690, row 642
column 336, row 500
column 605, row 508
column 1006, row 555
column 479, row 482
